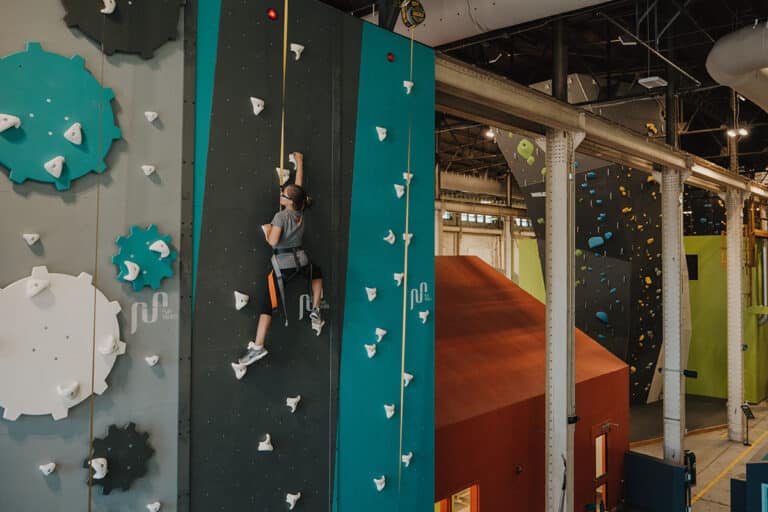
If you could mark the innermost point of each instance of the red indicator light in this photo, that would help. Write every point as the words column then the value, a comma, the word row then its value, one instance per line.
column 272, row 14
column 391, row 57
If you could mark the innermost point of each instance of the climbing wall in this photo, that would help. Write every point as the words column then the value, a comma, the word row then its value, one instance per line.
column 372, row 439
column 703, row 212
column 618, row 254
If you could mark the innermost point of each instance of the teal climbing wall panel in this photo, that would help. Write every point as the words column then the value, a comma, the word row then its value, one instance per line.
column 368, row 442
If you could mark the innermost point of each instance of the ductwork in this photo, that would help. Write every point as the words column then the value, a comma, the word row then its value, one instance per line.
column 740, row 61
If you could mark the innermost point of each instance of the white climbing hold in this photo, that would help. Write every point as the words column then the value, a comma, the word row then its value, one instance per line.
column 371, row 350
column 154, row 506
column 151, row 116
column 31, row 238
column 111, row 345
column 7, row 120
column 389, row 410
column 407, row 237
column 380, row 483
column 407, row 458
column 148, row 169
column 371, row 293
column 380, row 333
column 35, row 286
column 241, row 300
column 240, row 370
column 161, row 247
column 133, row 270
column 291, row 499
column 68, row 391
column 109, row 6
column 408, row 86
column 54, row 166
column 47, row 469
column 407, row 378
column 266, row 444
column 399, row 190
column 100, row 468
column 257, row 104
column 390, row 238
column 407, row 176
column 152, row 360
column 398, row 278
column 74, row 134
column 381, row 132
column 296, row 49
column 423, row 315
column 283, row 175
column 293, row 402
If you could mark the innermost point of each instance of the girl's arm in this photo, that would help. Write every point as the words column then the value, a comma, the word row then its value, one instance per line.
column 272, row 234
column 299, row 168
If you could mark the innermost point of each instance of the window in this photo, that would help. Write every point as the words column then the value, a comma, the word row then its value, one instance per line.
column 601, row 455
column 467, row 500
column 601, row 498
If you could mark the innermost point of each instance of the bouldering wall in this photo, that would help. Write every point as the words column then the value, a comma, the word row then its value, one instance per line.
column 78, row 219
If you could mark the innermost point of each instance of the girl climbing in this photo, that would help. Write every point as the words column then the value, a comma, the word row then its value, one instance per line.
column 285, row 234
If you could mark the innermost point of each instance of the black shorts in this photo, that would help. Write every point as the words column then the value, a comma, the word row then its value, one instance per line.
column 271, row 300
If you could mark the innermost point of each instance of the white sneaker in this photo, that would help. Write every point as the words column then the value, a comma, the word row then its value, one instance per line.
column 254, row 353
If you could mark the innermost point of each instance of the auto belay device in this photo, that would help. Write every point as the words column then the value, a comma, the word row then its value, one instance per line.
column 412, row 13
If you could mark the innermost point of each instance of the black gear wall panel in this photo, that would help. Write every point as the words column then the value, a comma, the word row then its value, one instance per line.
column 228, row 416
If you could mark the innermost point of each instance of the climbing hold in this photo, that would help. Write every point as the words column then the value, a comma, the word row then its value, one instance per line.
column 525, row 149
column 35, row 286
column 380, row 333
column 598, row 202
column 626, row 209
column 591, row 175
column 592, row 192
column 649, row 241
column 391, row 57
column 74, row 134
column 371, row 293
column 595, row 241
column 111, row 346
column 578, row 252
column 128, row 452
column 399, row 190
column 389, row 410
column 648, row 280
column 602, row 316
column 148, row 169
column 632, row 369
column 408, row 86
column 109, row 6
column 100, row 468
column 31, row 238
column 407, row 458
column 292, row 402
column 48, row 468
column 398, row 278
column 151, row 116
column 584, row 185
column 240, row 370
column 68, row 391
column 601, row 217
column 291, row 499
column 7, row 120
column 283, row 175
column 266, row 444
column 54, row 166
column 370, row 350
column 380, row 482
column 154, row 506
column 297, row 49
column 407, row 237
column 390, row 238
column 151, row 267
column 407, row 177
column 407, row 378
column 382, row 133
column 159, row 246
column 241, row 300
column 152, row 360
column 608, row 235
column 257, row 104
column 543, row 172
column 612, row 291
column 423, row 315
column 540, row 221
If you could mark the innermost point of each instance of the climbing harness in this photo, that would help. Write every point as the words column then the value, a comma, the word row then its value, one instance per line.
column 298, row 269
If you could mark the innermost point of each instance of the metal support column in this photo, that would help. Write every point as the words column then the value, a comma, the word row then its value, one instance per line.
column 560, row 395
column 671, row 286
column 507, row 237
column 560, row 62
column 438, row 230
column 734, row 209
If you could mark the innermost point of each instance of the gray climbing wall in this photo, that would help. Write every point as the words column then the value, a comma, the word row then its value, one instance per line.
column 67, row 223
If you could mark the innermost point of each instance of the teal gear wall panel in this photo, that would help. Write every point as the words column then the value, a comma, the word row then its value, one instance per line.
column 135, row 248
column 368, row 442
column 49, row 93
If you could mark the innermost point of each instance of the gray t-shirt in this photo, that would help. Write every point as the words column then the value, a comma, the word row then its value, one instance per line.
column 291, row 223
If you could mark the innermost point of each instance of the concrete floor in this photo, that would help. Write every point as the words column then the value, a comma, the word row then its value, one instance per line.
column 714, row 455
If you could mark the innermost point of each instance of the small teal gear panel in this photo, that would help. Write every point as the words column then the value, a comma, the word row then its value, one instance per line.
column 50, row 93
column 134, row 248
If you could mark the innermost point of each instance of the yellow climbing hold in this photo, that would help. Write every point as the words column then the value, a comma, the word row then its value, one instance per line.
column 626, row 209
column 632, row 369
column 650, row 179
column 641, row 338
column 650, row 241
column 648, row 280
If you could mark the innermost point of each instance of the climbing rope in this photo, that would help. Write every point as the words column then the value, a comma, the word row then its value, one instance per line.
column 282, row 107
column 405, row 277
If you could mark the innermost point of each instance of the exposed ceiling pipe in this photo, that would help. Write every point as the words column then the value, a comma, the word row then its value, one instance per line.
column 740, row 61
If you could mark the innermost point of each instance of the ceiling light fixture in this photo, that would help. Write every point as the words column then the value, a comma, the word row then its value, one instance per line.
column 731, row 133
column 743, row 132
column 489, row 133
column 652, row 82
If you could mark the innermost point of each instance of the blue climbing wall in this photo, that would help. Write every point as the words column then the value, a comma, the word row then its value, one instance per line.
column 368, row 442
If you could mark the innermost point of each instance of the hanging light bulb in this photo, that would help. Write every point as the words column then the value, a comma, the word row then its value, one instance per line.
column 731, row 133
column 489, row 133
column 743, row 132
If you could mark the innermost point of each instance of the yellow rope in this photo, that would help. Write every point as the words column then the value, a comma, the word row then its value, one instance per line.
column 405, row 283
column 285, row 73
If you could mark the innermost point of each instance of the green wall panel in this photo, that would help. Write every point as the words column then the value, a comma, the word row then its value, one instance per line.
column 530, row 277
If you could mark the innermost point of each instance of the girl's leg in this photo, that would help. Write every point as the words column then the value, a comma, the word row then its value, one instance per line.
column 261, row 330
column 317, row 292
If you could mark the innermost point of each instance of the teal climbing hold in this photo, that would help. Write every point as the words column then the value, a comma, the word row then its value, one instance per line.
column 592, row 192
column 598, row 202
column 595, row 241
column 591, row 175
column 50, row 93
column 608, row 235
column 601, row 217
column 154, row 267
column 584, row 185
column 612, row 291
column 602, row 316
column 601, row 337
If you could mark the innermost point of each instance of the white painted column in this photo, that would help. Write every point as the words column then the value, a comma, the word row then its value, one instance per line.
column 560, row 388
column 671, row 289
column 507, row 237
column 438, row 230
column 734, row 268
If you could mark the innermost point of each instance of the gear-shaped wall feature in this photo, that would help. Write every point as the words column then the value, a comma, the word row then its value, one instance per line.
column 153, row 265
column 127, row 452
column 49, row 93
column 46, row 340
column 135, row 26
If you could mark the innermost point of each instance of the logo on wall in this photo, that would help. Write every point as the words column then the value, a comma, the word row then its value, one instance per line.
column 305, row 304
column 420, row 294
column 159, row 309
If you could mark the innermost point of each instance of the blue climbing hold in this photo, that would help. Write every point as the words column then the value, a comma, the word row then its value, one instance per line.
column 591, row 175
column 598, row 202
column 584, row 185
column 612, row 291
column 592, row 192
column 595, row 241
column 618, row 301
column 601, row 337
column 135, row 248
column 602, row 316
column 601, row 217
column 608, row 235
column 703, row 220
column 50, row 93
